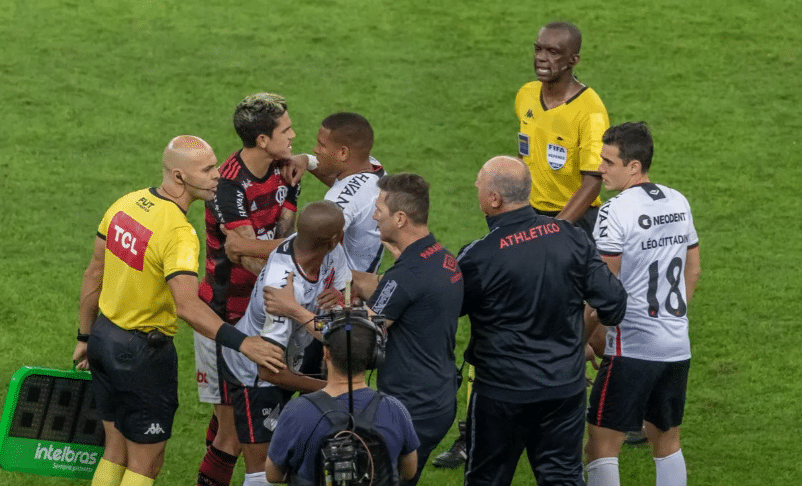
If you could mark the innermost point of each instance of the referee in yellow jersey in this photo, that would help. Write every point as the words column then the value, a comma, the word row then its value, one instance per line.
column 562, row 123
column 142, row 277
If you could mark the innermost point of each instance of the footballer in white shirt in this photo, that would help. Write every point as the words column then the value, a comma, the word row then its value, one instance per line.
column 647, row 237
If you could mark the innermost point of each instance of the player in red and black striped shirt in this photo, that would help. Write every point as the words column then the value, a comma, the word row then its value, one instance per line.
column 253, row 201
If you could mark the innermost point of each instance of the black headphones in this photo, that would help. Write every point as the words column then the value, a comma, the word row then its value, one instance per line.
column 341, row 318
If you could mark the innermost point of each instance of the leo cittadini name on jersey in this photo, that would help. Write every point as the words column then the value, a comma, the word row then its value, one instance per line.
column 665, row 241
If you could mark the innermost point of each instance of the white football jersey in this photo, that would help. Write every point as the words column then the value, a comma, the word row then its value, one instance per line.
column 651, row 228
column 356, row 195
column 283, row 331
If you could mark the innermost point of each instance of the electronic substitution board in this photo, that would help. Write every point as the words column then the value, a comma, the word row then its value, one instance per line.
column 50, row 425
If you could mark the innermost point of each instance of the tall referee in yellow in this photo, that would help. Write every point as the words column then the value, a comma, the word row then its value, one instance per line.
column 142, row 277
column 562, row 123
column 560, row 140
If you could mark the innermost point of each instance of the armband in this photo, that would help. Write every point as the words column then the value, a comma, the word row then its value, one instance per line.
column 229, row 336
column 84, row 338
column 312, row 165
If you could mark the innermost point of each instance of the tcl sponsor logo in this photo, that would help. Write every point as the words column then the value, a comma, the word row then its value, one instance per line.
column 128, row 240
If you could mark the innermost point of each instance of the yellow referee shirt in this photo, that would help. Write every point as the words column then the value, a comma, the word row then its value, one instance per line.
column 148, row 241
column 559, row 144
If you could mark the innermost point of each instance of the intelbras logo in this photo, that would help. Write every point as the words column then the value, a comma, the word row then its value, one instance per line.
column 65, row 454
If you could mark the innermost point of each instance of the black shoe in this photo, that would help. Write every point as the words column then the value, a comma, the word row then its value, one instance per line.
column 456, row 455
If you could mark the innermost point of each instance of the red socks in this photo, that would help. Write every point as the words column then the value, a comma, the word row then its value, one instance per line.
column 216, row 468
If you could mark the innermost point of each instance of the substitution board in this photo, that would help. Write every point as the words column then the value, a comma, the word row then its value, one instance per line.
column 50, row 426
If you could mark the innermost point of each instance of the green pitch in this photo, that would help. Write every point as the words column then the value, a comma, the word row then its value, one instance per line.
column 92, row 91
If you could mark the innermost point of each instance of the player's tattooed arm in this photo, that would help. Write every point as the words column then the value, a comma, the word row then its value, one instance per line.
column 238, row 247
column 286, row 224
column 252, row 264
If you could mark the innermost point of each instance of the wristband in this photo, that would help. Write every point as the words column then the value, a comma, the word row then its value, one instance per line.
column 229, row 336
column 312, row 165
column 84, row 338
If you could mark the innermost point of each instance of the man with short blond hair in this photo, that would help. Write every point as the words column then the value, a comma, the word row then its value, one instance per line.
column 253, row 201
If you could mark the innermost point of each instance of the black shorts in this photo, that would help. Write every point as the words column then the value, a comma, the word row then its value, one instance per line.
column 256, row 410
column 135, row 385
column 550, row 430
column 628, row 391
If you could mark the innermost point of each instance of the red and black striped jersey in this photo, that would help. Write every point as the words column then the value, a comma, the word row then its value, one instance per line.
column 241, row 199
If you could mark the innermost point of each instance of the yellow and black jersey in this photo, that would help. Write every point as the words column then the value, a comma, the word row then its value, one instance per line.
column 559, row 144
column 148, row 241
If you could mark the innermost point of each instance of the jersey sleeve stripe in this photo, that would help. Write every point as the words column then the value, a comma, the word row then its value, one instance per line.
column 610, row 253
column 695, row 245
column 181, row 272
column 101, row 235
column 237, row 224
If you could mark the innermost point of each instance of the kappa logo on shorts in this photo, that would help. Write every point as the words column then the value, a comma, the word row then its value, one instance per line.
column 384, row 297
column 155, row 428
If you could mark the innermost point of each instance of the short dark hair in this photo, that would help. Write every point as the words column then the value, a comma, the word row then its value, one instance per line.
column 363, row 340
column 634, row 142
column 258, row 114
column 574, row 35
column 408, row 193
column 352, row 130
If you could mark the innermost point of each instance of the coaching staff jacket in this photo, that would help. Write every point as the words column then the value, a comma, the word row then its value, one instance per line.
column 526, row 283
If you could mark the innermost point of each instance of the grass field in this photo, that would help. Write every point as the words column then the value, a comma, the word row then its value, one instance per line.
column 92, row 91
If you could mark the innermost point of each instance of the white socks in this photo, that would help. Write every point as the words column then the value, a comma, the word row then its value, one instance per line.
column 671, row 470
column 603, row 472
column 256, row 479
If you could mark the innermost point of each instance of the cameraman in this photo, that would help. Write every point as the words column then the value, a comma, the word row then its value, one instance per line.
column 301, row 428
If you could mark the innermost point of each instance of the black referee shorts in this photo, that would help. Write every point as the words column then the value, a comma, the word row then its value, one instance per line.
column 586, row 222
column 551, row 432
column 135, row 385
column 628, row 391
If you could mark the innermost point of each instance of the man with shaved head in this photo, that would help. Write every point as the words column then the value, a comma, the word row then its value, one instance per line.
column 310, row 271
column 562, row 121
column 526, row 283
column 141, row 279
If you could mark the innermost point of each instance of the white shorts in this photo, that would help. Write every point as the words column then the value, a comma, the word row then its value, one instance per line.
column 206, row 369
